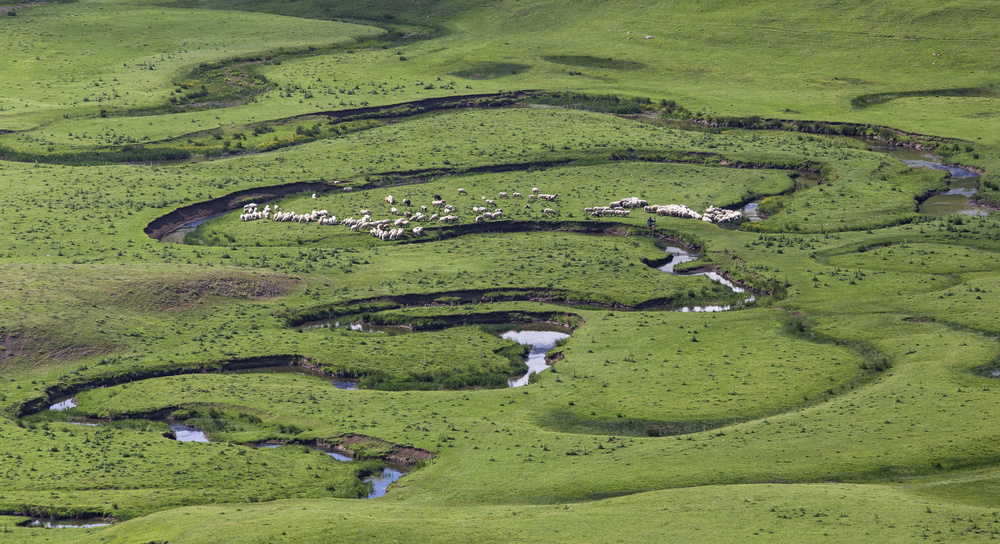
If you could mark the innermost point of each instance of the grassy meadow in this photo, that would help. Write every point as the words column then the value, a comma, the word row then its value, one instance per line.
column 854, row 398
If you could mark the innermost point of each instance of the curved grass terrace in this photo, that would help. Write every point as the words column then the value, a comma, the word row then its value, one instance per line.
column 854, row 400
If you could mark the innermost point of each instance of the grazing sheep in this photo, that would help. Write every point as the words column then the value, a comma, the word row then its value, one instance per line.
column 516, row 195
column 490, row 202
column 480, row 218
column 348, row 189
column 549, row 211
column 527, row 206
column 418, row 231
column 406, row 201
column 549, row 198
column 534, row 190
column 390, row 200
column 532, row 197
column 435, row 217
column 721, row 215
column 462, row 191
column 502, row 194
column 438, row 203
column 630, row 202
column 314, row 196
column 603, row 211
column 674, row 210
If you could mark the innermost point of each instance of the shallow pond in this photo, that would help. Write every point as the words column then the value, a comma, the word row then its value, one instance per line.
column 63, row 404
column 187, row 433
column 541, row 342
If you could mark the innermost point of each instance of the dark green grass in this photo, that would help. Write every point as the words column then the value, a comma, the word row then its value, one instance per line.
column 586, row 61
column 491, row 70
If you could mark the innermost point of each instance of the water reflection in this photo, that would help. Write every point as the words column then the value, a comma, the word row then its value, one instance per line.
column 541, row 342
column 679, row 256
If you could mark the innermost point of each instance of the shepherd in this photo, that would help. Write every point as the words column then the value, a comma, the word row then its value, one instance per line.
column 650, row 222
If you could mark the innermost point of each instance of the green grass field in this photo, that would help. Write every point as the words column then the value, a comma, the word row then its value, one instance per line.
column 853, row 399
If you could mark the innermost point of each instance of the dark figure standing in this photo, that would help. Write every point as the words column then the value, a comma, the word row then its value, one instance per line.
column 650, row 222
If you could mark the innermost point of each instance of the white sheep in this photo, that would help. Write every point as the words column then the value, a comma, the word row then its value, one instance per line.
column 502, row 194
column 549, row 211
column 462, row 191
column 516, row 195
column 390, row 200
column 314, row 196
column 534, row 190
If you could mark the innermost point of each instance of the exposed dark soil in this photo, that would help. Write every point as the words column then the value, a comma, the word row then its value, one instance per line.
column 404, row 455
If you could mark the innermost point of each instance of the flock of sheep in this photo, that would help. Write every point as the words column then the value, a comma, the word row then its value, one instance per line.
column 622, row 208
column 251, row 213
column 389, row 229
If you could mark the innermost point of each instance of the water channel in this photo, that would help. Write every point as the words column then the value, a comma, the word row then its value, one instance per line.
column 679, row 256
column 52, row 523
column 177, row 236
column 963, row 183
column 541, row 342
column 380, row 483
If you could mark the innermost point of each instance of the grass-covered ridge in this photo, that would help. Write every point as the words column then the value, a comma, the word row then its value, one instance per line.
column 853, row 399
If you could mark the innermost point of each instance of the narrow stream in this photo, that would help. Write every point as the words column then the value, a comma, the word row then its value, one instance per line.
column 963, row 183
column 380, row 483
column 52, row 523
column 541, row 342
column 177, row 237
column 680, row 256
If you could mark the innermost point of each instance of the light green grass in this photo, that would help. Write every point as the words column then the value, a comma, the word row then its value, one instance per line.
column 849, row 403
